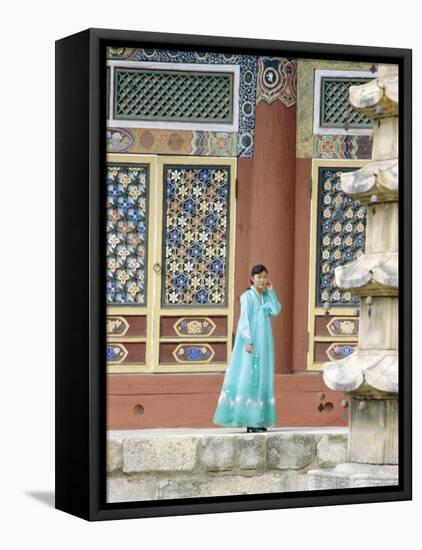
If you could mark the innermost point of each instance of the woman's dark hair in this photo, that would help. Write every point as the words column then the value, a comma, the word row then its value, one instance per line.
column 257, row 269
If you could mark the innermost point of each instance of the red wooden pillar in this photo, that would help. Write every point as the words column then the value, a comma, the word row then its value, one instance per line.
column 265, row 217
column 301, row 269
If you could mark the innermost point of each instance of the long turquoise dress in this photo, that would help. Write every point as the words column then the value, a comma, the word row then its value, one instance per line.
column 247, row 393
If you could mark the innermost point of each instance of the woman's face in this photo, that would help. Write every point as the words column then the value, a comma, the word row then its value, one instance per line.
column 259, row 280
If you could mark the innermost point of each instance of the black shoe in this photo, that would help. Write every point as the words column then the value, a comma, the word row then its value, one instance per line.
column 250, row 429
column 263, row 430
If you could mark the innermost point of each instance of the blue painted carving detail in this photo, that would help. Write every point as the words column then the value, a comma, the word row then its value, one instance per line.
column 340, row 351
column 194, row 353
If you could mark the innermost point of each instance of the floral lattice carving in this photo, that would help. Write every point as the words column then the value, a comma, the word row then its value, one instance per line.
column 127, row 197
column 196, row 235
column 341, row 236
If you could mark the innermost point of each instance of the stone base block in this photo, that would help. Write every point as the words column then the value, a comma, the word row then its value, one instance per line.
column 166, row 464
column 353, row 474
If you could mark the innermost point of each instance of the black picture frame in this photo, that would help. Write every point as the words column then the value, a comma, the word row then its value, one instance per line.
column 80, row 275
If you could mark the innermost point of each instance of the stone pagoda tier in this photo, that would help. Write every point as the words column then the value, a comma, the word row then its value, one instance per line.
column 369, row 376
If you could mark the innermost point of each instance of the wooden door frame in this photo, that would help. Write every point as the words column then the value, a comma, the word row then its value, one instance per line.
column 314, row 311
column 153, row 309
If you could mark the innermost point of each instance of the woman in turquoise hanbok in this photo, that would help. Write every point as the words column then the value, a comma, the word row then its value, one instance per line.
column 247, row 395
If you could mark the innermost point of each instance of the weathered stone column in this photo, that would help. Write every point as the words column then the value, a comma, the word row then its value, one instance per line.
column 369, row 376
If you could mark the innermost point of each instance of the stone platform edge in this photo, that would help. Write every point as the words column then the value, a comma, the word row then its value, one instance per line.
column 154, row 464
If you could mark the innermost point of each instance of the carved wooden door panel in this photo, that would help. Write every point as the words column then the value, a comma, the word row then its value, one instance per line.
column 170, row 272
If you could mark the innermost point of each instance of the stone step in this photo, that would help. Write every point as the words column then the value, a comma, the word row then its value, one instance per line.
column 354, row 474
column 173, row 463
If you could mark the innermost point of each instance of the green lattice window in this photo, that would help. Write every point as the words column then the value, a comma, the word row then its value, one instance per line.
column 336, row 110
column 148, row 94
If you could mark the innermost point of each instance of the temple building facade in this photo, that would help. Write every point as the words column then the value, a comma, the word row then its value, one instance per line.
column 217, row 162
